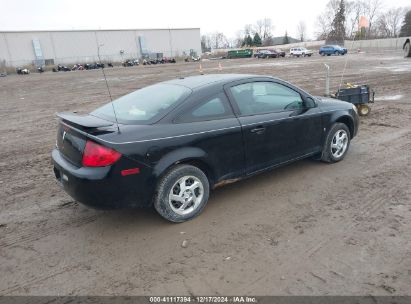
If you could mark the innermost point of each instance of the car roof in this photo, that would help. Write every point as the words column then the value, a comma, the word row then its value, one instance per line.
column 194, row 82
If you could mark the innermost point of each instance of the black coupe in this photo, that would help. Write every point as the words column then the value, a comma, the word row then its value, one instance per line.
column 169, row 144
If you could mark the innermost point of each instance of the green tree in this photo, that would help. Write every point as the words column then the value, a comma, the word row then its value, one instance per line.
column 286, row 39
column 337, row 33
column 257, row 40
column 406, row 25
column 248, row 41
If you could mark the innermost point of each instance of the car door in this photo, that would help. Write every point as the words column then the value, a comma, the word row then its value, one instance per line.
column 219, row 134
column 276, row 123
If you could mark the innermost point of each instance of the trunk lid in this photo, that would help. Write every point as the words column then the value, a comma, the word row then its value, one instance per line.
column 72, row 134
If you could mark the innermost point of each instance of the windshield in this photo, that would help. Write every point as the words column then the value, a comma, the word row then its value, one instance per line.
column 145, row 105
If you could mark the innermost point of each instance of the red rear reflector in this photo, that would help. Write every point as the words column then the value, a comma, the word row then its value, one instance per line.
column 95, row 155
column 130, row 171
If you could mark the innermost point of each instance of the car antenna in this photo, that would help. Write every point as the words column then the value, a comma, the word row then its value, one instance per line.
column 108, row 88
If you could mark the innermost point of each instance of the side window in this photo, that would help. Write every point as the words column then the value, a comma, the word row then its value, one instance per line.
column 265, row 97
column 215, row 107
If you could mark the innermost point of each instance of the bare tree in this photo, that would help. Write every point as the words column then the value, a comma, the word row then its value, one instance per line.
column 248, row 29
column 323, row 27
column 258, row 27
column 371, row 11
column 218, row 40
column 396, row 15
column 388, row 23
column 301, row 30
column 267, row 28
column 239, row 39
column 354, row 9
column 263, row 27
column 206, row 43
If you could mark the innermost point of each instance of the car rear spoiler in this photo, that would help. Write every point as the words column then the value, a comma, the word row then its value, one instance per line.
column 84, row 121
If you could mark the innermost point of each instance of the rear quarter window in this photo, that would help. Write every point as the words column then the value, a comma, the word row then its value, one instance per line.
column 211, row 108
column 145, row 105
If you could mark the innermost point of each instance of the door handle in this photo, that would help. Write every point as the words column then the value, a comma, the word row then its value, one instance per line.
column 258, row 130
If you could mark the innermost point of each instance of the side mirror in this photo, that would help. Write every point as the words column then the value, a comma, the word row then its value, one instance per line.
column 310, row 102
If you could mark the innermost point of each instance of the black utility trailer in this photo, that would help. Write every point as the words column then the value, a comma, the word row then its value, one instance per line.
column 359, row 95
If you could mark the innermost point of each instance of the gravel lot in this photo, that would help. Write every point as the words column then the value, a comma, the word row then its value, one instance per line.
column 305, row 229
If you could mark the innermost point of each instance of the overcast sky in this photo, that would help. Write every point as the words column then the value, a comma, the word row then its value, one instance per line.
column 209, row 15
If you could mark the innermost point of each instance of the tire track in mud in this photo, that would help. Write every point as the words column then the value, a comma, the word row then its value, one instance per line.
column 371, row 208
column 378, row 196
column 29, row 235
column 36, row 280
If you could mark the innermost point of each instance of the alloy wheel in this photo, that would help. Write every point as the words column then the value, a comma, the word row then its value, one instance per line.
column 339, row 143
column 186, row 195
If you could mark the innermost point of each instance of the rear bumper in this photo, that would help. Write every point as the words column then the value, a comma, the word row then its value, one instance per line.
column 102, row 187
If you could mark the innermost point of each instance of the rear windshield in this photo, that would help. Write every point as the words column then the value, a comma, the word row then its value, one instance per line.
column 145, row 105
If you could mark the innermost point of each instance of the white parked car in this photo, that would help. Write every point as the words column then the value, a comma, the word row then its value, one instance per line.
column 300, row 51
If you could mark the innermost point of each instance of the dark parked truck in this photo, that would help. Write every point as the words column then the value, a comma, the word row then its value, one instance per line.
column 407, row 48
column 244, row 53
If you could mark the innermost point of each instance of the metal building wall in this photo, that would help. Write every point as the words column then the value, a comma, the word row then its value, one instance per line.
column 66, row 47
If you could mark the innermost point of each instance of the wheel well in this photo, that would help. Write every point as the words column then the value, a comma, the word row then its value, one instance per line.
column 203, row 166
column 348, row 122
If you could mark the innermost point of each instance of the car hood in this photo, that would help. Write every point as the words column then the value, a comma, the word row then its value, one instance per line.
column 333, row 103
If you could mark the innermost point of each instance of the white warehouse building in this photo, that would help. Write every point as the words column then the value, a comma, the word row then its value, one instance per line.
column 19, row 48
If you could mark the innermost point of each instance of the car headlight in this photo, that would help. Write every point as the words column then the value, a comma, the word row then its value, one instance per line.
column 355, row 109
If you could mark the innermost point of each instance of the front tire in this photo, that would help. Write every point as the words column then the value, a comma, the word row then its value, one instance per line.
column 336, row 144
column 182, row 193
column 407, row 50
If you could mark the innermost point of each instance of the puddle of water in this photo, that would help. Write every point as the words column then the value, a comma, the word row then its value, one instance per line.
column 389, row 98
column 398, row 67
column 266, row 64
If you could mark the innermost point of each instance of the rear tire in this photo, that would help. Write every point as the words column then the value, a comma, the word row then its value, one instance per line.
column 181, row 193
column 336, row 144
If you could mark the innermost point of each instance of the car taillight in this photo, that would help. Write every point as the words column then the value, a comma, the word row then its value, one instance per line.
column 95, row 155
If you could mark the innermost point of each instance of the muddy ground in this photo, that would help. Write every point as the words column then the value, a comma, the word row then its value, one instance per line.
column 305, row 229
